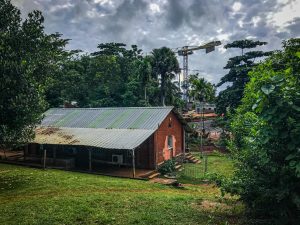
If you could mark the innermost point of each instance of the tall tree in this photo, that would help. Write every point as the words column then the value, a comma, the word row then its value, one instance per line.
column 28, row 58
column 165, row 65
column 121, row 84
column 238, row 66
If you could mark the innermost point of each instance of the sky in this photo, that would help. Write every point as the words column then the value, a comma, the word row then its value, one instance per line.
column 172, row 23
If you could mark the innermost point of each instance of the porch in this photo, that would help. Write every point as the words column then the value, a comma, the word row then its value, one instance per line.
column 118, row 163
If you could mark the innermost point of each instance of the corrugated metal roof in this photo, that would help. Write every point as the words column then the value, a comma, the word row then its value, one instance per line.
column 102, row 138
column 110, row 128
column 147, row 118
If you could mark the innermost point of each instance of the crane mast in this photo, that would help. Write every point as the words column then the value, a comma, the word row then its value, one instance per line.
column 185, row 51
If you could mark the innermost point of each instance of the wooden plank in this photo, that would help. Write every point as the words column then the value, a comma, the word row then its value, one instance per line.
column 110, row 163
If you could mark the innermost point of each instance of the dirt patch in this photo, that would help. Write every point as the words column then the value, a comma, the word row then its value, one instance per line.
column 163, row 181
column 67, row 137
column 56, row 134
column 47, row 131
column 212, row 206
column 73, row 142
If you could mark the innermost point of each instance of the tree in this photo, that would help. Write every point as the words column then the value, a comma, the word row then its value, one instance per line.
column 238, row 66
column 201, row 89
column 115, row 76
column 164, row 66
column 28, row 58
column 112, row 76
column 144, row 75
column 265, row 131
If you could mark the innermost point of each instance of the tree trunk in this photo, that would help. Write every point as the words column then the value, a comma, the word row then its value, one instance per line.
column 162, row 90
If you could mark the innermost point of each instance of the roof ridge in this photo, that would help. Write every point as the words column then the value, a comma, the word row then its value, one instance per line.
column 91, row 128
column 115, row 108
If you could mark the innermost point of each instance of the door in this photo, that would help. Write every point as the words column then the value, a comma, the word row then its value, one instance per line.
column 168, row 149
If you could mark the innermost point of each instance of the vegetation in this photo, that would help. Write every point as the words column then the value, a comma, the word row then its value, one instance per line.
column 167, row 167
column 37, row 73
column 202, row 90
column 117, row 76
column 266, row 130
column 28, row 58
column 263, row 103
column 165, row 65
column 34, row 196
column 218, row 166
column 238, row 66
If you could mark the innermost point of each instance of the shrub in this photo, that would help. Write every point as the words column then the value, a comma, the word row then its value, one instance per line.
column 266, row 143
column 167, row 167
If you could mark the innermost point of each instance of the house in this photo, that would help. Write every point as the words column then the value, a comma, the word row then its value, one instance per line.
column 136, row 137
column 205, row 107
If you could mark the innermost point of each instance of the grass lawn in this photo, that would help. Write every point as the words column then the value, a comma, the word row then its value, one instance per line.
column 217, row 163
column 33, row 196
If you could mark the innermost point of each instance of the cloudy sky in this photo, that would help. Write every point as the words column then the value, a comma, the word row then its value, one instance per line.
column 172, row 23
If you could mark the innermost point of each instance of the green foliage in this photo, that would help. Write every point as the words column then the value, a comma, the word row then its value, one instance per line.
column 167, row 167
column 220, row 167
column 201, row 89
column 266, row 131
column 239, row 66
column 28, row 60
column 165, row 65
column 116, row 76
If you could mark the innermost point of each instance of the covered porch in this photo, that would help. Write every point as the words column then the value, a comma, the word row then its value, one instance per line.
column 75, row 159
column 94, row 149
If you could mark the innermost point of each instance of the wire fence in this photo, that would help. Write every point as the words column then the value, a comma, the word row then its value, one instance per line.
column 195, row 170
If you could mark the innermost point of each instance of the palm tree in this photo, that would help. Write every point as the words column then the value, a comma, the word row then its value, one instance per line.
column 165, row 65
column 201, row 89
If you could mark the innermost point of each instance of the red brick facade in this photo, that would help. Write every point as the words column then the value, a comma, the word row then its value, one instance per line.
column 155, row 149
column 171, row 126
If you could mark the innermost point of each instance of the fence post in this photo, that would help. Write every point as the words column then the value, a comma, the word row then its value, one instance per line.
column 90, row 159
column 205, row 164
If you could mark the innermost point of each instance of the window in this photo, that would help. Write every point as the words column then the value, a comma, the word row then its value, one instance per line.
column 170, row 142
column 170, row 122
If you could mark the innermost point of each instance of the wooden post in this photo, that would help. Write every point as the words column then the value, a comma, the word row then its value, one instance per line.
column 133, row 164
column 45, row 157
column 54, row 155
column 25, row 152
column 155, row 149
column 183, row 143
column 90, row 160
column 205, row 164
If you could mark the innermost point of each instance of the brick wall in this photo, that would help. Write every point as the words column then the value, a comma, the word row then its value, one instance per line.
column 170, row 126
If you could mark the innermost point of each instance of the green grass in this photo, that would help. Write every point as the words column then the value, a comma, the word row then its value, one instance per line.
column 217, row 163
column 34, row 196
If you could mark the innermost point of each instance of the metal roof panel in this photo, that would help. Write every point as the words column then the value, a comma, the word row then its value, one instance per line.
column 101, row 138
column 146, row 118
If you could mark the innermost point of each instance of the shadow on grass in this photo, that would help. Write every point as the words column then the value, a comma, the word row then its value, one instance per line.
column 14, row 182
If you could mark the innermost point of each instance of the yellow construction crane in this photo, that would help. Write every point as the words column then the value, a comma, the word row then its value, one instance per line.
column 188, row 50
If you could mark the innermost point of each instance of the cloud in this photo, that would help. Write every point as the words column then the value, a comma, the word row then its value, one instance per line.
column 293, row 27
column 173, row 23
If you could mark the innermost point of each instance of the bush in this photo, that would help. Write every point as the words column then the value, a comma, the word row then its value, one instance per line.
column 266, row 143
column 167, row 167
